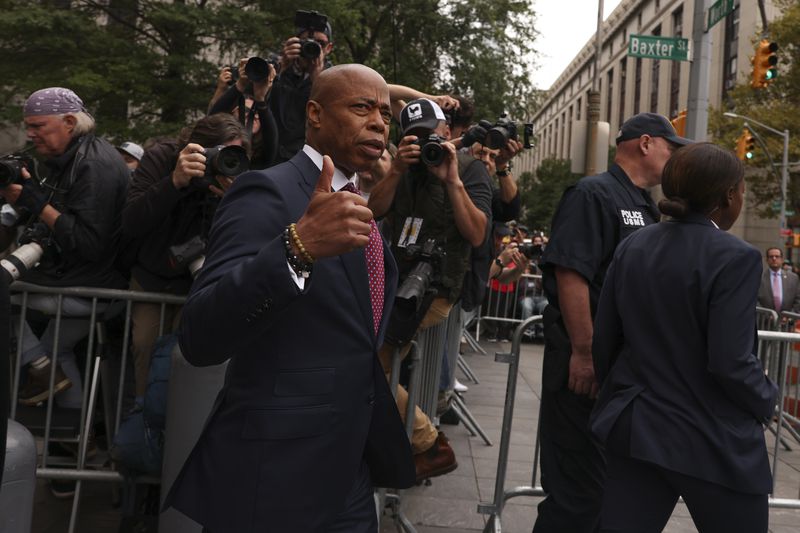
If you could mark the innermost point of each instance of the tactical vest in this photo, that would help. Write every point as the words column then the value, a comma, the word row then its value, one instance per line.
column 425, row 196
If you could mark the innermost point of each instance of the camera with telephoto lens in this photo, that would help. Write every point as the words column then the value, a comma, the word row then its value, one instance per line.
column 432, row 152
column 11, row 166
column 256, row 69
column 505, row 129
column 476, row 134
column 189, row 255
column 33, row 241
column 222, row 161
column 417, row 291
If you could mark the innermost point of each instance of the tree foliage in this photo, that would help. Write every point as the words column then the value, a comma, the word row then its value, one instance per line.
column 148, row 67
column 541, row 193
column 777, row 106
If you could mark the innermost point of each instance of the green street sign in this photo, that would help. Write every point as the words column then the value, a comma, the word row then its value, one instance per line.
column 790, row 212
column 657, row 47
column 718, row 11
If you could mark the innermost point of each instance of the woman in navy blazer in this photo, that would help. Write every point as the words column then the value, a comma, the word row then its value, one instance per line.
column 683, row 398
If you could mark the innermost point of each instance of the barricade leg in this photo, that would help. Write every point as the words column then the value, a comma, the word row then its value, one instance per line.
column 465, row 368
column 468, row 419
column 394, row 500
column 495, row 508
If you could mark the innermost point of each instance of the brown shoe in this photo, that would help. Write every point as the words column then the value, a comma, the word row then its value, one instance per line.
column 437, row 460
column 37, row 388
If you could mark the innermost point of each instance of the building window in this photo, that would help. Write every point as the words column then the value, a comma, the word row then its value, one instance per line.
column 609, row 92
column 654, row 77
column 623, row 69
column 658, row 5
column 578, row 109
column 639, row 21
column 730, row 50
column 569, row 133
column 675, row 77
column 563, row 135
column 637, row 87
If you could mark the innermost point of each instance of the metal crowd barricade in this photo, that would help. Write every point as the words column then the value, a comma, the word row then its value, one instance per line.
column 773, row 349
column 506, row 307
column 106, row 305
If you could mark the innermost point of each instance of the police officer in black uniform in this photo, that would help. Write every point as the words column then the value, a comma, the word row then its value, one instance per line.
column 592, row 218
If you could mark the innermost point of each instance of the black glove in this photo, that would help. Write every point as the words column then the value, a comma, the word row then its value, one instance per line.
column 32, row 197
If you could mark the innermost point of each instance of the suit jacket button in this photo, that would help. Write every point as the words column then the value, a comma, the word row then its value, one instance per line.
column 371, row 399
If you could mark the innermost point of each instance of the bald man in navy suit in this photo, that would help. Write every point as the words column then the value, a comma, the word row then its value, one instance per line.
column 305, row 423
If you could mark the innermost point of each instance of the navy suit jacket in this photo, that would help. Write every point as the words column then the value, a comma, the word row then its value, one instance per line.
column 305, row 399
column 675, row 339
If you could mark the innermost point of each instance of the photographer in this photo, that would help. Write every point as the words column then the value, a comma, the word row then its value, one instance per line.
column 74, row 216
column 444, row 201
column 251, row 108
column 171, row 204
column 303, row 57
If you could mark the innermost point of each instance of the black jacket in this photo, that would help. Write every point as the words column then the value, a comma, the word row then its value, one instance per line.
column 265, row 142
column 157, row 216
column 90, row 181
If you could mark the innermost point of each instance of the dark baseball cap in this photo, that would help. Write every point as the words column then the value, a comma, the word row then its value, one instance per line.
column 421, row 113
column 651, row 124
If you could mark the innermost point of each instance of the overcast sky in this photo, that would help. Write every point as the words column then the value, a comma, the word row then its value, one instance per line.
column 564, row 26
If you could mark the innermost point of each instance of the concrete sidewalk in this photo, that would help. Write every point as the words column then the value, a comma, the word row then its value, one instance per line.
column 449, row 503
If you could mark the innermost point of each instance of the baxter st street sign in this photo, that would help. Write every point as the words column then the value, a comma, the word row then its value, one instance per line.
column 657, row 47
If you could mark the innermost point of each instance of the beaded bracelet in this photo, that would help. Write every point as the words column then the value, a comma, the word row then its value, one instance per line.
column 300, row 268
column 299, row 244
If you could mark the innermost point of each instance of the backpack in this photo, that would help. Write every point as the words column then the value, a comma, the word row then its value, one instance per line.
column 139, row 443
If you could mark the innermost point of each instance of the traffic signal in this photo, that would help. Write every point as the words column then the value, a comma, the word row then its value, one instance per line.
column 745, row 145
column 765, row 63
column 679, row 123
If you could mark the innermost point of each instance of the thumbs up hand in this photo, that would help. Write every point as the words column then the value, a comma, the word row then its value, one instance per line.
column 334, row 222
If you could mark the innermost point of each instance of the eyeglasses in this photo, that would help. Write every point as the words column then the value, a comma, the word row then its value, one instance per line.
column 774, row 257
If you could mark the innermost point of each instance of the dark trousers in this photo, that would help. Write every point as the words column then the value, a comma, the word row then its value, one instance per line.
column 640, row 497
column 358, row 514
column 573, row 469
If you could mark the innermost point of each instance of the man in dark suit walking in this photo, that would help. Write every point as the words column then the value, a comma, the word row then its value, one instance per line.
column 779, row 287
column 294, row 291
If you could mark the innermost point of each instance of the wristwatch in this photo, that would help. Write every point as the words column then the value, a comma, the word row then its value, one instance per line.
column 497, row 262
column 502, row 173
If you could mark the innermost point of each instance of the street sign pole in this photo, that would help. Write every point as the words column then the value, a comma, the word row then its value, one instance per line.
column 697, row 115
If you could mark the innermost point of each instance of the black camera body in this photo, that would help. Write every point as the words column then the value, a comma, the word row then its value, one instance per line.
column 310, row 20
column 417, row 291
column 532, row 251
column 11, row 169
column 222, row 161
column 189, row 255
column 503, row 130
column 432, row 153
column 256, row 69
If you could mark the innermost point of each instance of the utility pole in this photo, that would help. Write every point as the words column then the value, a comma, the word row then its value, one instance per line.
column 697, row 116
column 593, row 113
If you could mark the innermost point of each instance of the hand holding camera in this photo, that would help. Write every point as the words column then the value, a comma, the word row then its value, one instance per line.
column 191, row 164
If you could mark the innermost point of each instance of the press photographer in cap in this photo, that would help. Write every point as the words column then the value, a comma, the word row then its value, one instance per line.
column 436, row 203
column 71, row 229
column 303, row 57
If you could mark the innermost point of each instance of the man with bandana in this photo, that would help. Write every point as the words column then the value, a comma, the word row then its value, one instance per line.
column 74, row 214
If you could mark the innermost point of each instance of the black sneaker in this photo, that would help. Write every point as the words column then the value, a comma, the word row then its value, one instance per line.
column 62, row 488
column 37, row 387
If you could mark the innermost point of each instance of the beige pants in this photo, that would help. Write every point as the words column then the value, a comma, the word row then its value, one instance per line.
column 145, row 321
column 425, row 432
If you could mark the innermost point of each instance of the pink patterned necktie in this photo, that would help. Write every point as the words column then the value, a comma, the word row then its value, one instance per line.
column 776, row 291
column 374, row 255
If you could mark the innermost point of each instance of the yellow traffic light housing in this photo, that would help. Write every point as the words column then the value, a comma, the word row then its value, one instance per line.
column 679, row 123
column 745, row 145
column 764, row 64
